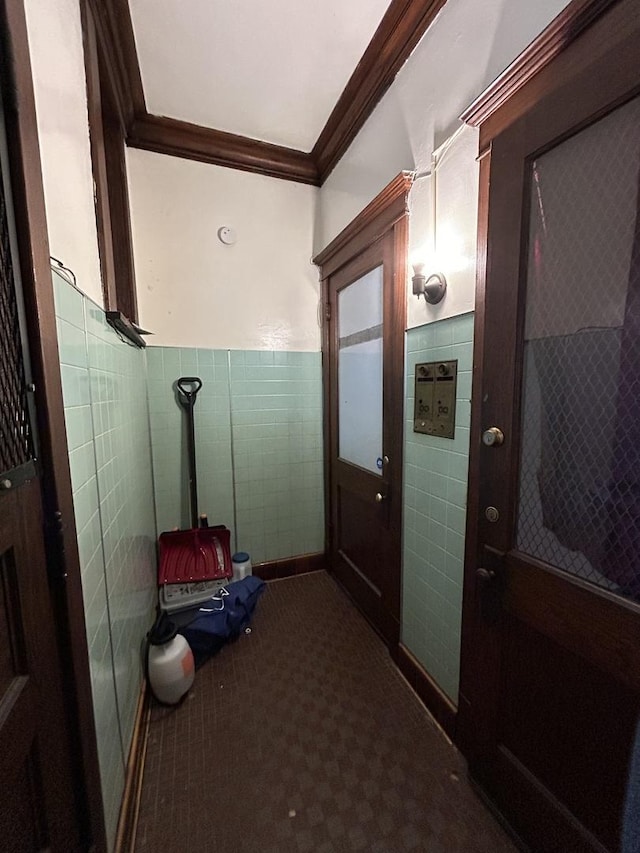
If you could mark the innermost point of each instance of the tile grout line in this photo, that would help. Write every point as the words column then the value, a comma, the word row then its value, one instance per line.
column 232, row 454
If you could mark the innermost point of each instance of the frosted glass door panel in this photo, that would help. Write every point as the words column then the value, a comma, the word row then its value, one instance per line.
column 360, row 305
column 579, row 504
column 360, row 359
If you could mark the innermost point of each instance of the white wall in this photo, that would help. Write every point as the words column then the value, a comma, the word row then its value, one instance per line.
column 467, row 46
column 194, row 291
column 448, row 197
column 55, row 42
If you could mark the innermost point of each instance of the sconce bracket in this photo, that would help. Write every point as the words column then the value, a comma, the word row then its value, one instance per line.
column 435, row 288
column 432, row 288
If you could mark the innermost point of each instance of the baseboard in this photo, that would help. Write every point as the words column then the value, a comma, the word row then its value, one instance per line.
column 301, row 565
column 437, row 703
column 128, row 821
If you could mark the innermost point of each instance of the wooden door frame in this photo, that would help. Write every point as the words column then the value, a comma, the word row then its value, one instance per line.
column 387, row 213
column 585, row 30
column 63, row 561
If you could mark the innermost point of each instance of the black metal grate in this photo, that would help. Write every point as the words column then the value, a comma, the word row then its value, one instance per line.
column 579, row 505
column 16, row 440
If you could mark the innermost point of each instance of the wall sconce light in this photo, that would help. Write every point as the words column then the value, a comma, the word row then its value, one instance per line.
column 432, row 288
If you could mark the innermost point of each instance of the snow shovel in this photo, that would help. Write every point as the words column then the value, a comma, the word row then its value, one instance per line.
column 201, row 553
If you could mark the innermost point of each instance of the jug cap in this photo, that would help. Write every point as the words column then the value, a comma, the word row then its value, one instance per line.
column 240, row 557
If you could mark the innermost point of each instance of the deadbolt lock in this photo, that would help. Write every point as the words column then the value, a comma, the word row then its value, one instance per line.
column 492, row 437
column 491, row 514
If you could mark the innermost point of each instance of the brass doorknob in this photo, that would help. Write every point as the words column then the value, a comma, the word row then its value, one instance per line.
column 379, row 497
column 492, row 437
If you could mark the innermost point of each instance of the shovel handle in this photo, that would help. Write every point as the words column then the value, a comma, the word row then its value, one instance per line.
column 189, row 387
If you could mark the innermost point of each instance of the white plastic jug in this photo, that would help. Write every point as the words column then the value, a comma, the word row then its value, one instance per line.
column 170, row 663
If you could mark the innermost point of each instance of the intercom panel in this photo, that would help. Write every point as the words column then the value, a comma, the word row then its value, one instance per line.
column 434, row 411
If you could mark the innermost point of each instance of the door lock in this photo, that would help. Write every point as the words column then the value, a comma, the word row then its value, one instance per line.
column 491, row 514
column 485, row 576
column 492, row 437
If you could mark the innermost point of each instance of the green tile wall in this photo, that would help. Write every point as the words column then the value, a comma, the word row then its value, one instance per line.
column 168, row 435
column 276, row 405
column 435, row 494
column 259, row 441
column 104, row 389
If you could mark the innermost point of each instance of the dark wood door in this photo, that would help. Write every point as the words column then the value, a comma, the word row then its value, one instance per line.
column 550, row 688
column 366, row 333
column 38, row 810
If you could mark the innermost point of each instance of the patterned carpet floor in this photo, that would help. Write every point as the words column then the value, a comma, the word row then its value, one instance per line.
column 303, row 737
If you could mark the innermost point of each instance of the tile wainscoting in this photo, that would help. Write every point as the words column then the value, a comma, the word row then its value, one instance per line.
column 259, row 447
column 435, row 496
column 105, row 402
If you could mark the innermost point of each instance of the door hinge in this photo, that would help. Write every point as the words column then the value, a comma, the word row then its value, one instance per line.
column 327, row 311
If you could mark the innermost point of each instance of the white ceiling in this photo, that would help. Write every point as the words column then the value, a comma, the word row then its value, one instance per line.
column 269, row 69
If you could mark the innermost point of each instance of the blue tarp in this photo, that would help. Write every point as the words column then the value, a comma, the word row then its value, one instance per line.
column 210, row 625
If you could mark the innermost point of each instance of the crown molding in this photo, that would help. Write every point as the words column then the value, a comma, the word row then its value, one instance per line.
column 391, row 204
column 114, row 30
column 565, row 28
column 194, row 142
column 401, row 28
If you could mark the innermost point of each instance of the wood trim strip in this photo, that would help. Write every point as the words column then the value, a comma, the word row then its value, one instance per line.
column 435, row 701
column 193, row 142
column 401, row 28
column 565, row 28
column 372, row 222
column 118, row 48
column 394, row 385
column 130, row 808
column 569, row 612
column 98, row 157
column 60, row 532
column 278, row 569
column 479, row 674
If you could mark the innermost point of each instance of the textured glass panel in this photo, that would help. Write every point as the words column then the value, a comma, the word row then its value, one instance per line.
column 579, row 505
column 360, row 371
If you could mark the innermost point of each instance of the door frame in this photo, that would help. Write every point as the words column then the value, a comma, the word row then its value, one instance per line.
column 583, row 34
column 387, row 214
column 63, row 563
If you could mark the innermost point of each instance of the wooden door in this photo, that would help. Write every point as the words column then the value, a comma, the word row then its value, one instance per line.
column 366, row 297
column 550, row 688
column 38, row 803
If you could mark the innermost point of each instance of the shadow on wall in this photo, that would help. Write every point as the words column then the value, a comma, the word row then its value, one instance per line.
column 466, row 47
